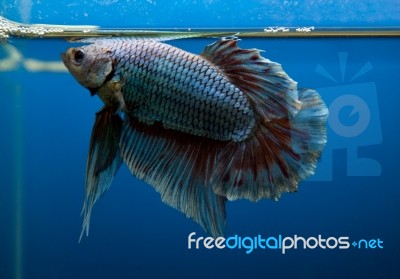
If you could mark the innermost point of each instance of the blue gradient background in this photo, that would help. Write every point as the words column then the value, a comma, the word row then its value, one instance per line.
column 47, row 119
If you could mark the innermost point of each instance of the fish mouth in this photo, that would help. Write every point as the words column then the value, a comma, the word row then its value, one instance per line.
column 64, row 58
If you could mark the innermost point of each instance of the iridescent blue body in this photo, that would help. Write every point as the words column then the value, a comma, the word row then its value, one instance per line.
column 183, row 91
column 201, row 129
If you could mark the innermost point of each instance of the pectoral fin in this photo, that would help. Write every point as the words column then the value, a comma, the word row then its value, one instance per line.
column 104, row 160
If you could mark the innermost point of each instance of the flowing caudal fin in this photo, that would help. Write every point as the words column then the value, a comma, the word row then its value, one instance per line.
column 288, row 138
column 179, row 167
column 104, row 160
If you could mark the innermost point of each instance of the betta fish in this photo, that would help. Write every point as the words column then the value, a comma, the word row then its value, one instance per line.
column 201, row 129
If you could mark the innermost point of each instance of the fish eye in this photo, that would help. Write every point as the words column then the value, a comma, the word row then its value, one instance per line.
column 78, row 56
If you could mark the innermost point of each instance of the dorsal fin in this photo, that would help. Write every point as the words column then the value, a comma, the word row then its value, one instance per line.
column 263, row 81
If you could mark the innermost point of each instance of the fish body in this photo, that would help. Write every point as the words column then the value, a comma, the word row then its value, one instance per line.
column 183, row 91
column 201, row 129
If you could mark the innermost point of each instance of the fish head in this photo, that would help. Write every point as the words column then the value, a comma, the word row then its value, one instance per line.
column 91, row 65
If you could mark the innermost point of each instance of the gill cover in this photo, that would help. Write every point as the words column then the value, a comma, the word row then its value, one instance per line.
column 90, row 65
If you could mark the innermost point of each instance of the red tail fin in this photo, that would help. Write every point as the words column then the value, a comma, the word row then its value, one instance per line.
column 290, row 133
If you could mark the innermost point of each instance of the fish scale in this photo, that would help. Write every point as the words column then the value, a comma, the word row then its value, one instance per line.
column 165, row 82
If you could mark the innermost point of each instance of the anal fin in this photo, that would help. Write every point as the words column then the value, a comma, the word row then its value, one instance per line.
column 178, row 166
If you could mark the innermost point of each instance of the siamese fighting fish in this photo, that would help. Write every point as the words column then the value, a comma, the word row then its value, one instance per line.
column 201, row 129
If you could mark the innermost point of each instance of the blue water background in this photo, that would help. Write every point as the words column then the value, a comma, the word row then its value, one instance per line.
column 46, row 120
